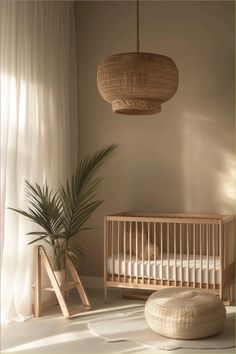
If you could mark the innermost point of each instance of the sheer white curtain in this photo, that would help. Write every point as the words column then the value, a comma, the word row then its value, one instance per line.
column 39, row 123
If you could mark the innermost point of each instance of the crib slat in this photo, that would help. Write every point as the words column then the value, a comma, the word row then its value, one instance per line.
column 112, row 248
column 168, row 251
column 227, row 244
column 162, row 254
column 187, row 226
column 232, row 241
column 136, row 250
column 155, row 254
column 149, row 252
column 214, row 259
column 143, row 251
column 181, row 253
column 118, row 249
column 175, row 254
column 229, row 237
column 227, row 241
column 130, row 251
column 230, row 233
column 124, row 250
column 106, row 255
column 225, row 226
column 221, row 260
column 207, row 249
column 232, row 237
column 201, row 254
column 194, row 254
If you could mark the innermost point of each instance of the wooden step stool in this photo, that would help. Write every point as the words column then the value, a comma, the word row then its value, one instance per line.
column 60, row 290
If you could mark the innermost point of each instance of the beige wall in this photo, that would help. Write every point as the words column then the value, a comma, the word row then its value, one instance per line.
column 183, row 159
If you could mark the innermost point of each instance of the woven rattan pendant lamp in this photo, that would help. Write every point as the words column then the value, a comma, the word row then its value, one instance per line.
column 137, row 83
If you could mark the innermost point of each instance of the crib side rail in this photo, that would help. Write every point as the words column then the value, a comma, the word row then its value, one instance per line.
column 167, row 218
column 149, row 252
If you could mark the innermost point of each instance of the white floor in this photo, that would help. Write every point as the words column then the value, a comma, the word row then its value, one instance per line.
column 54, row 334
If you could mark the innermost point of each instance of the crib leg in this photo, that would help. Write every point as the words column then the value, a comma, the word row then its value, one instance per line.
column 231, row 293
column 105, row 293
column 221, row 294
column 229, row 298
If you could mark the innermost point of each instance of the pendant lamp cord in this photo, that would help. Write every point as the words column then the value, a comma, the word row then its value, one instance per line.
column 137, row 13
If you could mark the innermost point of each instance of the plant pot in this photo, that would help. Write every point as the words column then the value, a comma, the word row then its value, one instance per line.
column 60, row 276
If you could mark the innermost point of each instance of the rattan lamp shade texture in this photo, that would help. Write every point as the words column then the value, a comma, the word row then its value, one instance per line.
column 137, row 83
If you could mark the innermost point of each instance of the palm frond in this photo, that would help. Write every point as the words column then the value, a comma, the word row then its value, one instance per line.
column 43, row 208
column 78, row 197
column 37, row 233
column 74, row 256
column 83, row 215
column 61, row 214
column 37, row 239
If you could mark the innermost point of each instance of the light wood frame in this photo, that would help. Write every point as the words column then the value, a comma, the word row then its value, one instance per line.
column 60, row 290
column 197, row 235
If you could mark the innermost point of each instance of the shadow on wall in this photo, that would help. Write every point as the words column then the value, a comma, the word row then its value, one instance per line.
column 209, row 168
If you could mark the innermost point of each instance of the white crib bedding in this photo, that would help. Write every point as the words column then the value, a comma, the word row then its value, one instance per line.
column 147, row 269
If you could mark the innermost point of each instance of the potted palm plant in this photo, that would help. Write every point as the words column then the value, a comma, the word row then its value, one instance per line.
column 61, row 214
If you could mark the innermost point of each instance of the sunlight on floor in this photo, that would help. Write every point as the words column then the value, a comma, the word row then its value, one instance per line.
column 54, row 334
column 47, row 341
column 116, row 308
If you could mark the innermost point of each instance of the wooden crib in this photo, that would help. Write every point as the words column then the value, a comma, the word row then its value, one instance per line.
column 150, row 252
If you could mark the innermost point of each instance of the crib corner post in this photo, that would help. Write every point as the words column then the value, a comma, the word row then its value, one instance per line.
column 105, row 259
column 221, row 259
column 230, row 294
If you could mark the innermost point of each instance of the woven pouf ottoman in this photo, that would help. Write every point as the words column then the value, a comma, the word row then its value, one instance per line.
column 185, row 314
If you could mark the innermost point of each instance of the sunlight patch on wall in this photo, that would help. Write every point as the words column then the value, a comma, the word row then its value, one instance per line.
column 208, row 165
column 229, row 181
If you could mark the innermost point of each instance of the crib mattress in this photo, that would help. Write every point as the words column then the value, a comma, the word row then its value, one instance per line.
column 167, row 272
